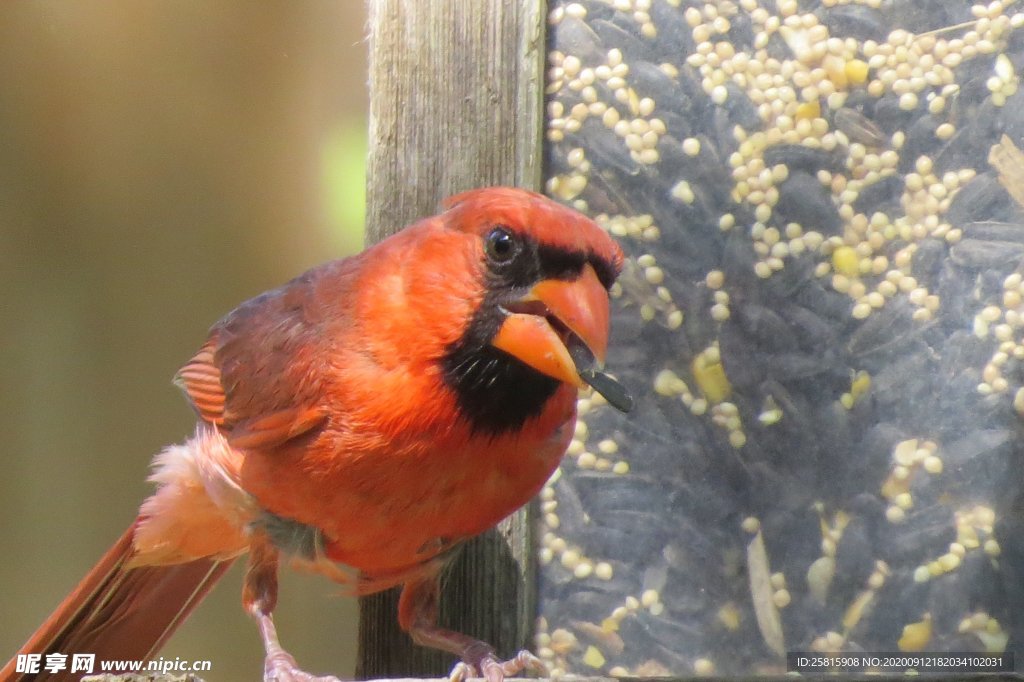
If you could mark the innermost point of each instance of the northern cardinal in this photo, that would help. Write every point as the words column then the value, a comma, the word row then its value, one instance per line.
column 372, row 413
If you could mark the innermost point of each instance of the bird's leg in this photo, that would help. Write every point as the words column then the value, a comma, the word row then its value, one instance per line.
column 417, row 615
column 259, row 597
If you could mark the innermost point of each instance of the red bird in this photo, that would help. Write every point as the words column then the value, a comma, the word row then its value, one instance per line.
column 372, row 413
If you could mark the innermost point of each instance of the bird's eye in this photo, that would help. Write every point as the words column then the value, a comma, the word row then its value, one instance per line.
column 501, row 246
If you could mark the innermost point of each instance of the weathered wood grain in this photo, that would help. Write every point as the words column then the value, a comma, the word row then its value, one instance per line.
column 456, row 95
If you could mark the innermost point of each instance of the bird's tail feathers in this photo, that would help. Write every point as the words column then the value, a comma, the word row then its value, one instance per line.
column 118, row 612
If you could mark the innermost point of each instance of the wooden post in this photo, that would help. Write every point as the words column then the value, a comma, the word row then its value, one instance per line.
column 456, row 98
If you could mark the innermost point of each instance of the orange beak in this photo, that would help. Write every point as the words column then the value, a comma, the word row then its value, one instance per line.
column 540, row 326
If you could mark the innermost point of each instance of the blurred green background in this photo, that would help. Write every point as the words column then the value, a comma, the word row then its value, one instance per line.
column 160, row 162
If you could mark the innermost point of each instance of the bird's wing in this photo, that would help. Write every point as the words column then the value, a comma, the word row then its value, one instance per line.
column 257, row 377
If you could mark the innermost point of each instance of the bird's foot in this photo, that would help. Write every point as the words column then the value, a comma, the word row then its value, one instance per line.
column 484, row 663
column 280, row 666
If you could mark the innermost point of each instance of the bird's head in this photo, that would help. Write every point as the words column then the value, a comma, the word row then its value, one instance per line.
column 543, row 315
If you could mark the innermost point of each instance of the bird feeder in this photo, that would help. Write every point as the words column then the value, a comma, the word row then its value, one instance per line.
column 820, row 319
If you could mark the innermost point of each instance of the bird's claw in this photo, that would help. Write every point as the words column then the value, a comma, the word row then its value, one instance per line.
column 491, row 669
column 280, row 666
